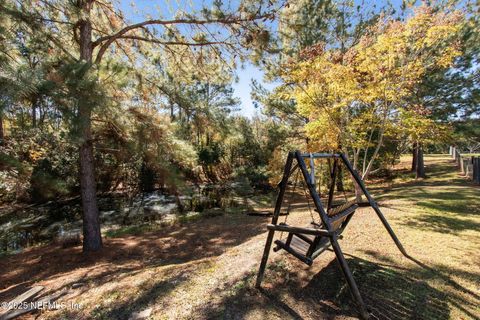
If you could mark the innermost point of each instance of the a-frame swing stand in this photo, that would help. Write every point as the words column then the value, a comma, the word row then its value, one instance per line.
column 307, row 243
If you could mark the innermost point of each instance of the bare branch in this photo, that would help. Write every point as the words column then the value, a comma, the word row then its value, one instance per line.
column 180, row 43
column 108, row 40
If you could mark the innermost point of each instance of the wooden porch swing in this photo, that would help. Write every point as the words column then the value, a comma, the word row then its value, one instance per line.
column 307, row 243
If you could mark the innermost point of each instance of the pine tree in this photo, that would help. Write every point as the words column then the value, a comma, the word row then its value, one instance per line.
column 87, row 33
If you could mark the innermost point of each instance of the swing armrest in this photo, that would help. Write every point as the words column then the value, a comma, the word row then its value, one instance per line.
column 287, row 228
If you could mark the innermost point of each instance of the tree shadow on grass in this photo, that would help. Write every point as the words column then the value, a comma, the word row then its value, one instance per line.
column 439, row 205
column 457, row 294
column 389, row 293
column 442, row 224
column 146, row 299
column 435, row 198
column 444, row 212
column 120, row 307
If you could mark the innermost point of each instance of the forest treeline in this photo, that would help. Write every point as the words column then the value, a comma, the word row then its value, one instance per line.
column 92, row 102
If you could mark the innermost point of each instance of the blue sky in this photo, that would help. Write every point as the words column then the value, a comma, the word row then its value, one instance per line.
column 242, row 88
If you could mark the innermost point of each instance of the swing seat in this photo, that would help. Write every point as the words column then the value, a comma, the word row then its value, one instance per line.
column 303, row 246
column 306, row 247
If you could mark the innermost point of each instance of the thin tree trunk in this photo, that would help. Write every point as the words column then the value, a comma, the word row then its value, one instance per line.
column 339, row 180
column 379, row 144
column 365, row 155
column 2, row 135
column 172, row 112
column 414, row 156
column 420, row 169
column 92, row 238
column 34, row 113
column 374, row 156
column 34, row 117
column 358, row 190
column 356, row 155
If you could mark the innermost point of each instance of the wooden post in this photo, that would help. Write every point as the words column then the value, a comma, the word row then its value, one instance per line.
column 276, row 214
column 313, row 193
column 349, row 277
column 468, row 167
column 458, row 157
column 333, row 176
column 476, row 170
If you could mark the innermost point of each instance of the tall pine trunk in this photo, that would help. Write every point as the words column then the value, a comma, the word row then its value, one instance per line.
column 92, row 238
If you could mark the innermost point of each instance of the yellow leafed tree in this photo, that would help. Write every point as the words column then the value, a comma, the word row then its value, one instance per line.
column 354, row 99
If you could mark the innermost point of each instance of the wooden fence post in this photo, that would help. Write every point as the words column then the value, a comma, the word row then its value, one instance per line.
column 458, row 158
column 469, row 168
column 476, row 170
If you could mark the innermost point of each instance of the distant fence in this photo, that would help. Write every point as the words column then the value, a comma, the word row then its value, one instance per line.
column 468, row 165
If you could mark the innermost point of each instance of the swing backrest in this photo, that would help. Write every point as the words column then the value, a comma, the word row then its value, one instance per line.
column 340, row 216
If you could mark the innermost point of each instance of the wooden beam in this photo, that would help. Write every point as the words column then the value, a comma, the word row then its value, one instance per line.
column 313, row 193
column 333, row 176
column 312, row 231
column 374, row 205
column 27, row 296
column 364, row 314
column 278, row 205
column 320, row 155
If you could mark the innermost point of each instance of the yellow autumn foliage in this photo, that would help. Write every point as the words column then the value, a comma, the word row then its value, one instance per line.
column 345, row 95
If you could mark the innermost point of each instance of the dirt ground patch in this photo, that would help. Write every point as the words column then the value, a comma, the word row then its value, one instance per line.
column 206, row 269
